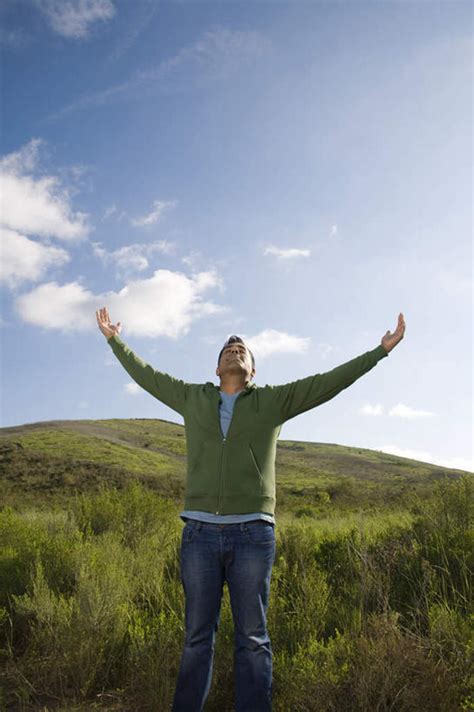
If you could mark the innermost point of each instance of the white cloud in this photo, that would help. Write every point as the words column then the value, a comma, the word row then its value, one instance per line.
column 286, row 254
column 460, row 463
column 217, row 55
column 159, row 206
column 333, row 230
column 398, row 411
column 166, row 304
column 109, row 211
column 23, row 259
column 74, row 18
column 269, row 342
column 404, row 411
column 132, row 389
column 133, row 257
column 205, row 280
column 372, row 409
column 24, row 160
column 36, row 206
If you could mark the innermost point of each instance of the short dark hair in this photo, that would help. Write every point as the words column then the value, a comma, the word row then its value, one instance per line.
column 236, row 340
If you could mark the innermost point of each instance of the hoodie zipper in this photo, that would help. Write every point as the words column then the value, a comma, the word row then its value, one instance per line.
column 220, row 476
column 224, row 440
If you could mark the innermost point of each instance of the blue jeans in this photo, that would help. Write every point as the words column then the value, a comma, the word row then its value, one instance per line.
column 243, row 555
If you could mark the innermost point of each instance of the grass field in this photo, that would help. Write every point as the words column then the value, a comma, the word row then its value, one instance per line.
column 371, row 598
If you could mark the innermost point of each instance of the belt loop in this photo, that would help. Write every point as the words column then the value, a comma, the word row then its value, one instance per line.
column 199, row 525
column 242, row 526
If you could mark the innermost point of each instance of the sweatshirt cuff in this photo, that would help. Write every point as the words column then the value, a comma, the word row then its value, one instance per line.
column 115, row 340
column 380, row 352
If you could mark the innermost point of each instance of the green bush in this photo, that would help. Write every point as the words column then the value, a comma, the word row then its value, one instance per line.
column 134, row 513
column 369, row 615
column 49, row 537
column 445, row 533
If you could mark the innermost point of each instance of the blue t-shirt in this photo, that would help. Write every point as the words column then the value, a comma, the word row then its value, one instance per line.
column 226, row 408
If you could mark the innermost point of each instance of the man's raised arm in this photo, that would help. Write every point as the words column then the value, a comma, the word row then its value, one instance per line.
column 297, row 397
column 170, row 391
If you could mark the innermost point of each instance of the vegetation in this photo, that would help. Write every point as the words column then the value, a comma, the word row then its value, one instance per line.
column 371, row 596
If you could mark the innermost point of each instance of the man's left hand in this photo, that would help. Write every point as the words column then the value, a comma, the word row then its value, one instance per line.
column 390, row 340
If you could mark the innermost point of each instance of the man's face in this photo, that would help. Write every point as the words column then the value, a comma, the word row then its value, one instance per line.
column 236, row 359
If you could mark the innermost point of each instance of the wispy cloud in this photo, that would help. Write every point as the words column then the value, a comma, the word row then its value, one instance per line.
column 159, row 207
column 130, row 258
column 289, row 253
column 369, row 409
column 112, row 210
column 334, row 231
column 108, row 212
column 132, row 389
column 74, row 19
column 270, row 341
column 166, row 305
column 460, row 463
column 397, row 411
column 192, row 259
column 216, row 56
column 142, row 17
column 404, row 411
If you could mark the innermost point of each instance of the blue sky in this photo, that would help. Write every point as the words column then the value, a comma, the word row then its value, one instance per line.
column 298, row 173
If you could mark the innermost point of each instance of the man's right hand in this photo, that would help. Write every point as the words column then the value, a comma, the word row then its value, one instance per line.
column 105, row 325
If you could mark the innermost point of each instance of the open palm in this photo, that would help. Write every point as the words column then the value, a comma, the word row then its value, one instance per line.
column 105, row 325
column 390, row 340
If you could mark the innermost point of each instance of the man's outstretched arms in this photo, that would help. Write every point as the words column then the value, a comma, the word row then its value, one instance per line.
column 297, row 397
column 170, row 391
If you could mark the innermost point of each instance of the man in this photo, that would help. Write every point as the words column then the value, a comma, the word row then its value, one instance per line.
column 231, row 434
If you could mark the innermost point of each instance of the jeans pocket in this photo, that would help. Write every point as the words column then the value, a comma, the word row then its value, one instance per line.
column 260, row 532
column 189, row 531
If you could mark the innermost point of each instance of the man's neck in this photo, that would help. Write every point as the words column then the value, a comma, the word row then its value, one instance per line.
column 232, row 385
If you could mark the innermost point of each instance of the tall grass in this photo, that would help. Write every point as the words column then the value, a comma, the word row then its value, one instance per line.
column 365, row 614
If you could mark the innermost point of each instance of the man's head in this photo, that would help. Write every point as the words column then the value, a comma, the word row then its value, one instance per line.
column 236, row 358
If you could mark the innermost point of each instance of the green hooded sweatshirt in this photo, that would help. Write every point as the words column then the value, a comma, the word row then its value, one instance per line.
column 236, row 474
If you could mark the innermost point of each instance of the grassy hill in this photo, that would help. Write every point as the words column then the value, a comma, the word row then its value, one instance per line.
column 52, row 460
column 371, row 605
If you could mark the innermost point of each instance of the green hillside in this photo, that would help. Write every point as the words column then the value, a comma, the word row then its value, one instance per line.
column 52, row 460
